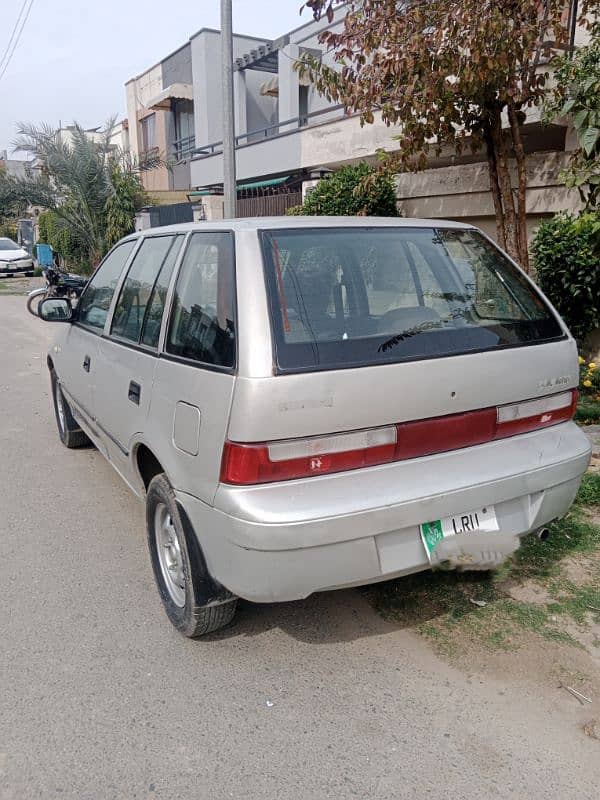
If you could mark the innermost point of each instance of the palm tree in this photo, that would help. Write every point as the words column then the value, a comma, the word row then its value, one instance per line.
column 92, row 188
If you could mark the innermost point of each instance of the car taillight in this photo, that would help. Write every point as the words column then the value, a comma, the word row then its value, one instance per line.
column 533, row 414
column 301, row 458
column 246, row 464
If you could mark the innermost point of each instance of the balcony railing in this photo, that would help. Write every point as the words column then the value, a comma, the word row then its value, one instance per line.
column 283, row 128
column 183, row 148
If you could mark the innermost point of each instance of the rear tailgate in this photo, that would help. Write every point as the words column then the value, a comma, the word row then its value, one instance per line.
column 318, row 403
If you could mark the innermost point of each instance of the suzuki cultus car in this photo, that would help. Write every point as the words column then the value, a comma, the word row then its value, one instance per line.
column 307, row 404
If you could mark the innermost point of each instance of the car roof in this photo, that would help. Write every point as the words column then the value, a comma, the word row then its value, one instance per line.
column 270, row 223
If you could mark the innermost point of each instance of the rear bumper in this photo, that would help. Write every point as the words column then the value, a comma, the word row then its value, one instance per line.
column 285, row 541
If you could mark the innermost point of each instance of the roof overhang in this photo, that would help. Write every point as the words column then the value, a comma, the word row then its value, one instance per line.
column 176, row 91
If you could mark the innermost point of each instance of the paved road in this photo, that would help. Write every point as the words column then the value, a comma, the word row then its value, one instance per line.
column 101, row 698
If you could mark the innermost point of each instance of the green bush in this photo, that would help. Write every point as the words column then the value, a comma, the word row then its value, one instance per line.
column 352, row 191
column 54, row 232
column 566, row 252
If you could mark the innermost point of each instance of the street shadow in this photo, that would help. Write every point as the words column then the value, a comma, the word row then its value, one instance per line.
column 324, row 618
column 351, row 614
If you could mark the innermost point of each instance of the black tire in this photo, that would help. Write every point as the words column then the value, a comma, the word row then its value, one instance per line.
column 29, row 274
column 69, row 431
column 203, row 606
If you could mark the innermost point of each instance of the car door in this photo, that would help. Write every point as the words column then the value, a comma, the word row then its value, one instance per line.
column 195, row 374
column 76, row 363
column 127, row 355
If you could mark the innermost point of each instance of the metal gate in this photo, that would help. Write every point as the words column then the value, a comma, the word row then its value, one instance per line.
column 268, row 205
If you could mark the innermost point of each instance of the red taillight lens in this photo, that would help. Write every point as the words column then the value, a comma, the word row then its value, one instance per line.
column 246, row 464
column 533, row 414
column 302, row 458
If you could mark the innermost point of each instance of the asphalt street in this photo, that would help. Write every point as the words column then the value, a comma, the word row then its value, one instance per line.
column 100, row 698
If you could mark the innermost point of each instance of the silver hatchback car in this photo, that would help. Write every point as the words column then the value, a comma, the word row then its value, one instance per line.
column 307, row 404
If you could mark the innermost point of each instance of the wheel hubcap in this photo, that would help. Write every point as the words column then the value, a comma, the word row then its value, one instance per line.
column 169, row 554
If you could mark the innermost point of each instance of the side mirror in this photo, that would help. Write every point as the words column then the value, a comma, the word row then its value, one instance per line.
column 56, row 309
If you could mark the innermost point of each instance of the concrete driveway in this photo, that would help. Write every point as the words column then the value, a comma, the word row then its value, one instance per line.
column 101, row 698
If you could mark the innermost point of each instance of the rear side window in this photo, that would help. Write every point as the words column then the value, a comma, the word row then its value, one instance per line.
column 95, row 301
column 137, row 308
column 202, row 325
column 158, row 298
column 359, row 296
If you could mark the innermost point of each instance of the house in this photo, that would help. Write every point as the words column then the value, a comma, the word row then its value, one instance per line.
column 119, row 138
column 176, row 104
column 17, row 168
column 288, row 135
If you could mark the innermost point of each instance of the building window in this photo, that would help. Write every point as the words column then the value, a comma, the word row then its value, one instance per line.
column 303, row 106
column 185, row 141
column 148, row 128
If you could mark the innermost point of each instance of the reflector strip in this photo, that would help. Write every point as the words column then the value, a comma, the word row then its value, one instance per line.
column 338, row 443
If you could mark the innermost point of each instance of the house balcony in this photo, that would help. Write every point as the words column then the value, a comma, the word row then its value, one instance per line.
column 328, row 138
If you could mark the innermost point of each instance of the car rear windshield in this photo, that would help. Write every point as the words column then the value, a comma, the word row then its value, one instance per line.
column 343, row 297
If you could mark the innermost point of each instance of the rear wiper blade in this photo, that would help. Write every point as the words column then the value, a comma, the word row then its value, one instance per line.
column 407, row 334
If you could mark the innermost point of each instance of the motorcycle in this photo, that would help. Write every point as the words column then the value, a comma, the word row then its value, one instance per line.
column 58, row 284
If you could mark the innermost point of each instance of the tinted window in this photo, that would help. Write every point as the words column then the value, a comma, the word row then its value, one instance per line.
column 156, row 305
column 95, row 301
column 202, row 326
column 353, row 296
column 130, row 311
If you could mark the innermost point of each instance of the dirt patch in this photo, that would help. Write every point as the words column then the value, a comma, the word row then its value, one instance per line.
column 530, row 592
column 592, row 729
column 541, row 665
column 579, row 570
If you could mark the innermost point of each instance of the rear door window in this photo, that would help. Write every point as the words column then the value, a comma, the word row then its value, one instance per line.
column 138, row 307
column 358, row 296
column 202, row 324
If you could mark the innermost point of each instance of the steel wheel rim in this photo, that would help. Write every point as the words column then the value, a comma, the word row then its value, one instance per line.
column 169, row 554
column 60, row 409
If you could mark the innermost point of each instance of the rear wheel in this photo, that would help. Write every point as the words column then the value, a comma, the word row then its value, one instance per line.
column 179, row 568
column 69, row 431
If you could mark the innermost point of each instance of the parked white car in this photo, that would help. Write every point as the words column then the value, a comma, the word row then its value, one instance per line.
column 314, row 403
column 14, row 259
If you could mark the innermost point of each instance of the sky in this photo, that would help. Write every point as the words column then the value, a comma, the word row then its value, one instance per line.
column 74, row 57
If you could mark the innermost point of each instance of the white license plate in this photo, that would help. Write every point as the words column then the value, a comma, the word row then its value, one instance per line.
column 481, row 521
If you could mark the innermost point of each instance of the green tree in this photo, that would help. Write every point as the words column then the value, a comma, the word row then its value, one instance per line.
column 448, row 74
column 127, row 197
column 92, row 188
column 577, row 93
column 352, row 191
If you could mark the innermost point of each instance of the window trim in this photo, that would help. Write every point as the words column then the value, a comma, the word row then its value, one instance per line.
column 190, row 362
column 90, row 328
column 263, row 233
column 108, row 334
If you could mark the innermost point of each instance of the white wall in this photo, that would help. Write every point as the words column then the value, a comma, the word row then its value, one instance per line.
column 140, row 92
column 206, row 75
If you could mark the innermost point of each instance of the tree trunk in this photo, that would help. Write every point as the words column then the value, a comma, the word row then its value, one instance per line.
column 522, row 191
column 495, row 189
column 505, row 186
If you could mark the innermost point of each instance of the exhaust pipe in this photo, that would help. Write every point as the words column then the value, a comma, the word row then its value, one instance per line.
column 543, row 534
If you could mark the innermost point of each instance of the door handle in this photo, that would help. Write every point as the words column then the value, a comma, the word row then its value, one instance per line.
column 87, row 363
column 135, row 392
